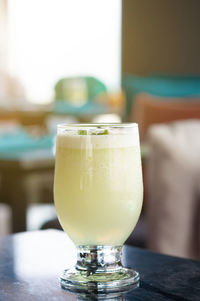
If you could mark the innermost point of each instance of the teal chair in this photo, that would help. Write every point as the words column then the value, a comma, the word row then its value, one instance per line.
column 163, row 85
column 93, row 86
column 75, row 95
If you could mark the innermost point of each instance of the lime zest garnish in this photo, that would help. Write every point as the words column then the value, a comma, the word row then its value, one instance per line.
column 105, row 132
column 82, row 132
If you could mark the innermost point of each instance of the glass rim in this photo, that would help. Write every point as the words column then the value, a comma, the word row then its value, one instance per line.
column 97, row 125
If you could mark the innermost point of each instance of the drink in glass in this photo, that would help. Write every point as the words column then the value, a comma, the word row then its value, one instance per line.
column 98, row 195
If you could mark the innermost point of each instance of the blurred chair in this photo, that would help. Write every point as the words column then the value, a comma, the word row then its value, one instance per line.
column 149, row 109
column 78, row 89
column 173, row 180
column 76, row 95
column 165, row 86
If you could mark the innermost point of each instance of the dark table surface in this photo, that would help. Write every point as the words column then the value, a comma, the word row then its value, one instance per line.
column 30, row 264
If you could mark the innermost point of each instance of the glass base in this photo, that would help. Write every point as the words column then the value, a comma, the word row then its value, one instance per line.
column 98, row 269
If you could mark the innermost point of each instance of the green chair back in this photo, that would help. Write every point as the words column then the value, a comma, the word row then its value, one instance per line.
column 73, row 88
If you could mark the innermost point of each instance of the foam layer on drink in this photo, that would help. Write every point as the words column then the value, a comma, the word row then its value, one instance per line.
column 67, row 140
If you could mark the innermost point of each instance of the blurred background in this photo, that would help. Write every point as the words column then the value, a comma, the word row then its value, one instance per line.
column 103, row 61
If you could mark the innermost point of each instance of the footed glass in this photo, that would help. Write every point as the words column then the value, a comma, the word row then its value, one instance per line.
column 98, row 194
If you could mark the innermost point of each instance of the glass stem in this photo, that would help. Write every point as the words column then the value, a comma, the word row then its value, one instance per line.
column 98, row 259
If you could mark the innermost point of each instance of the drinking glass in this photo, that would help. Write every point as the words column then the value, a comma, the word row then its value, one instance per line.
column 98, row 194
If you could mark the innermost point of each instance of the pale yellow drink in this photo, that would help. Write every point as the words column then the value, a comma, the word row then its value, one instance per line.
column 98, row 186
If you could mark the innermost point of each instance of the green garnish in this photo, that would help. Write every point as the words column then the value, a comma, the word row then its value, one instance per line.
column 105, row 132
column 82, row 132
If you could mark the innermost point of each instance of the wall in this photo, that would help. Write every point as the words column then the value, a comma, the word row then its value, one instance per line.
column 161, row 36
column 3, row 35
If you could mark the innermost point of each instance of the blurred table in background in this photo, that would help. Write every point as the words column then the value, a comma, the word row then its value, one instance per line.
column 26, row 141
column 17, row 170
column 28, row 114
column 27, row 160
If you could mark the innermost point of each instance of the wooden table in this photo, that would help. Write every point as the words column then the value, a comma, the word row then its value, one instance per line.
column 16, row 169
column 30, row 264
